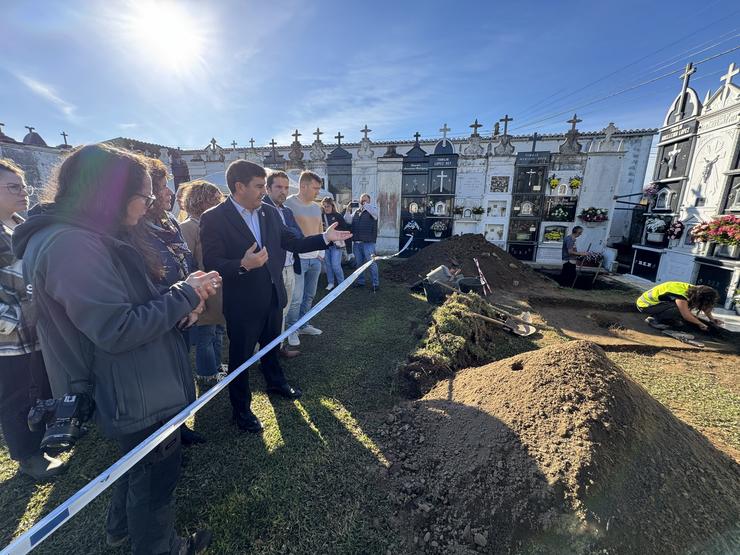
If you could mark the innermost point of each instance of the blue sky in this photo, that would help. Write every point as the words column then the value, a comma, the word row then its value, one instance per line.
column 261, row 69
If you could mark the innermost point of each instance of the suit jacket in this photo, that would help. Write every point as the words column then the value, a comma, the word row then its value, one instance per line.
column 225, row 237
column 292, row 224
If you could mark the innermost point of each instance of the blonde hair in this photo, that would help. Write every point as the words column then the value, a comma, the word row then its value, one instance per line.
column 199, row 196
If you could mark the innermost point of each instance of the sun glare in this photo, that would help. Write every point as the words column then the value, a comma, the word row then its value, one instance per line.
column 165, row 34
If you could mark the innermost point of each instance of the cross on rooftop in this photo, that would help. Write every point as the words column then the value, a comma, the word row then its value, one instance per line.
column 251, row 142
column 731, row 72
column 273, row 144
column 444, row 132
column 339, row 138
column 233, row 144
column 30, row 129
column 213, row 143
column 1, row 127
column 416, row 136
column 365, row 130
column 318, row 134
column 534, row 140
column 474, row 126
column 63, row 134
column 687, row 72
column 296, row 135
column 573, row 121
column 506, row 119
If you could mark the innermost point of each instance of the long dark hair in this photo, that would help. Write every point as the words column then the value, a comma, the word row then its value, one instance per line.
column 94, row 185
column 701, row 297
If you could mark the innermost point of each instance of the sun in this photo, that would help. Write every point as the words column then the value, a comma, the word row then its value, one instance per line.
column 165, row 34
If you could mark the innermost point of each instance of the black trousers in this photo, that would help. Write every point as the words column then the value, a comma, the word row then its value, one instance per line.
column 664, row 312
column 22, row 380
column 568, row 274
column 142, row 505
column 246, row 331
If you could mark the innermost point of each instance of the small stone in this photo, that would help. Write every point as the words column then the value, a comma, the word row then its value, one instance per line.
column 480, row 539
column 435, row 544
column 466, row 533
column 390, row 419
column 427, row 537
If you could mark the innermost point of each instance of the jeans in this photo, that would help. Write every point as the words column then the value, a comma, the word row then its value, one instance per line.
column 142, row 505
column 208, row 341
column 304, row 290
column 333, row 263
column 363, row 252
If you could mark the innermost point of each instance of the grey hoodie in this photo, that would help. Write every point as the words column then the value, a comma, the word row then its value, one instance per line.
column 102, row 324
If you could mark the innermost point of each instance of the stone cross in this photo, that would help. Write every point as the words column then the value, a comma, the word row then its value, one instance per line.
column 731, row 72
column 496, row 129
column 233, row 144
column 318, row 134
column 339, row 138
column 474, row 126
column 1, row 127
column 63, row 134
column 213, row 143
column 296, row 135
column 444, row 132
column 573, row 121
column 251, row 142
column 416, row 136
column 530, row 173
column 688, row 72
column 365, row 130
column 506, row 119
column 30, row 129
column 442, row 176
column 534, row 140
column 672, row 159
column 273, row 144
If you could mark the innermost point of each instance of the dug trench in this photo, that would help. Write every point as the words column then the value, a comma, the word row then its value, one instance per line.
column 543, row 444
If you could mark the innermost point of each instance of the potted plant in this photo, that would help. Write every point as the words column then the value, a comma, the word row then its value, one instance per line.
column 554, row 182
column 477, row 212
column 457, row 211
column 650, row 192
column 594, row 215
column 438, row 228
column 575, row 182
column 655, row 230
column 723, row 231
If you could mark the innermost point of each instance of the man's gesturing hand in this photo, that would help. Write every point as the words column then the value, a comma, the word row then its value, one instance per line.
column 253, row 259
column 333, row 234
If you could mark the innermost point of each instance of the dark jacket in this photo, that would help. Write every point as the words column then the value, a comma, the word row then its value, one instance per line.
column 174, row 254
column 225, row 237
column 364, row 227
column 335, row 217
column 103, row 326
column 293, row 225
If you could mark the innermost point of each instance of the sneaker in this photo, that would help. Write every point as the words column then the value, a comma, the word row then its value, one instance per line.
column 293, row 340
column 309, row 330
column 330, row 287
column 653, row 323
column 376, row 288
column 195, row 543
column 42, row 467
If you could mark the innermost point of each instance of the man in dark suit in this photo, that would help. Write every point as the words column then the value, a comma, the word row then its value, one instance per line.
column 245, row 241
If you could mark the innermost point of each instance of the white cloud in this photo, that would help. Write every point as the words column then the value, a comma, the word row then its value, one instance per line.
column 47, row 93
column 128, row 125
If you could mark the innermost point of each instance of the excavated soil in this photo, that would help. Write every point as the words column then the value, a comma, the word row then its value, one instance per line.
column 501, row 270
column 556, row 451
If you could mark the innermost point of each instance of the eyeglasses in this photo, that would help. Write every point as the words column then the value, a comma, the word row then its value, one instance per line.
column 19, row 189
column 150, row 199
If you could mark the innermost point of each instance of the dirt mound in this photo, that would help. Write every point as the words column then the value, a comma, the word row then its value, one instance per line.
column 556, row 451
column 502, row 270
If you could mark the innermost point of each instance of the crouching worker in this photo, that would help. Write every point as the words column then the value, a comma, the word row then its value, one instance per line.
column 673, row 302
column 105, row 330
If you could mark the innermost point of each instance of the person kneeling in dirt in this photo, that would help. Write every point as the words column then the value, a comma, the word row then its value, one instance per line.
column 673, row 301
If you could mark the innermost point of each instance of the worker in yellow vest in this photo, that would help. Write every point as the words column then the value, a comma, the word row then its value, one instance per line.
column 672, row 301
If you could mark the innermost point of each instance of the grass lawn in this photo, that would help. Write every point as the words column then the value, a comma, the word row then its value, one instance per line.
column 310, row 484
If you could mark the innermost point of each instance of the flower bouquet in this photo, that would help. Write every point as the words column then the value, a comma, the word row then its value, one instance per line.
column 559, row 214
column 438, row 228
column 592, row 214
column 723, row 230
column 554, row 235
column 650, row 192
column 655, row 230
column 592, row 258
column 675, row 230
column 575, row 182
column 477, row 212
column 554, row 182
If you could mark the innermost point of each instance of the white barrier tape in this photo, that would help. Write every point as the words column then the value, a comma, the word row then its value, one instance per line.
column 46, row 526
